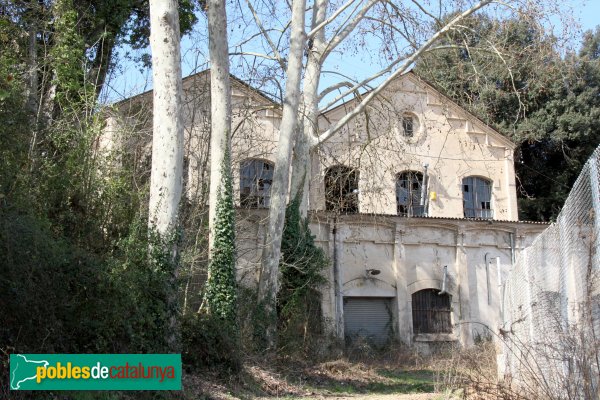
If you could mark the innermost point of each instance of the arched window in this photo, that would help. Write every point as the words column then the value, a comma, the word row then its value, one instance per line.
column 256, row 178
column 477, row 197
column 431, row 312
column 341, row 189
column 409, row 192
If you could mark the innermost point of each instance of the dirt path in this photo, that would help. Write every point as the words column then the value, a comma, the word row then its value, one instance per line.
column 420, row 396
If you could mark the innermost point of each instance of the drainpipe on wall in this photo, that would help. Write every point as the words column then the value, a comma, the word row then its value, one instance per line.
column 500, row 297
column 445, row 277
column 424, row 197
column 337, row 285
column 487, row 278
column 511, row 237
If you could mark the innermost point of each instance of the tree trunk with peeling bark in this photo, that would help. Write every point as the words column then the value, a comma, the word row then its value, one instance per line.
column 220, row 103
column 268, row 284
column 302, row 171
column 167, row 144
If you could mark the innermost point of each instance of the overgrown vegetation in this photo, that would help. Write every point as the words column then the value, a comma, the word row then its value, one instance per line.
column 302, row 264
column 211, row 337
column 220, row 292
column 298, row 317
column 75, row 270
column 392, row 374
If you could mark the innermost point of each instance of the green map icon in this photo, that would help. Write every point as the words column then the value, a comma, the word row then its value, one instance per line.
column 23, row 370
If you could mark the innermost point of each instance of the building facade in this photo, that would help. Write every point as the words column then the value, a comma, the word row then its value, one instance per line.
column 414, row 202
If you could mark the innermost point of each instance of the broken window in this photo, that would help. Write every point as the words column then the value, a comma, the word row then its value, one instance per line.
column 477, row 197
column 409, row 192
column 341, row 189
column 408, row 125
column 431, row 312
column 256, row 178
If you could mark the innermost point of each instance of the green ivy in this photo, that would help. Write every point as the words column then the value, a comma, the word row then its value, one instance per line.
column 301, row 266
column 220, row 293
column 67, row 57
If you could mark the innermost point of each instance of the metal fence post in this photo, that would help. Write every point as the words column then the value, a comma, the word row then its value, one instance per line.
column 595, row 186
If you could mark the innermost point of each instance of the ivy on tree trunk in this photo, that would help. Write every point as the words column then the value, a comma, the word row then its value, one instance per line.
column 220, row 295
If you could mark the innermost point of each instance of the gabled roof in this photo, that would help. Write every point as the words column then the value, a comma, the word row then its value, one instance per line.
column 206, row 74
column 495, row 132
column 415, row 78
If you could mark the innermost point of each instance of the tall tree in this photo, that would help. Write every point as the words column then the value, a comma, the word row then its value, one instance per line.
column 220, row 104
column 269, row 285
column 167, row 140
column 220, row 295
column 103, row 27
column 560, row 134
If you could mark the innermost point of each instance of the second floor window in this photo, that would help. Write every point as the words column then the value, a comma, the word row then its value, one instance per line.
column 341, row 189
column 256, row 178
column 477, row 197
column 409, row 192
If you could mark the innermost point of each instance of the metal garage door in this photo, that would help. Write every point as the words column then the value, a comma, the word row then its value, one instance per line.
column 369, row 318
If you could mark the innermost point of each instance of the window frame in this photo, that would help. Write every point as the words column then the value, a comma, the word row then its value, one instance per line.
column 412, row 178
column 476, row 202
column 346, row 201
column 431, row 312
column 256, row 195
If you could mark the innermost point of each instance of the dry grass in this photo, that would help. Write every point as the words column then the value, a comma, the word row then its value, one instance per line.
column 388, row 373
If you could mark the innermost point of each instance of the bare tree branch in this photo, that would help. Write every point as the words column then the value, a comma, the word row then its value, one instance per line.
column 363, row 83
column 405, row 65
column 337, row 86
column 314, row 31
column 266, row 36
column 348, row 29
column 249, row 53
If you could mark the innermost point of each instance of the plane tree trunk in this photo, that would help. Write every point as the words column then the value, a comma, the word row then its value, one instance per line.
column 268, row 283
column 167, row 147
column 220, row 104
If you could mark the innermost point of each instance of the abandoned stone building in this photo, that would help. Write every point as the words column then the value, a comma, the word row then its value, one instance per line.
column 414, row 203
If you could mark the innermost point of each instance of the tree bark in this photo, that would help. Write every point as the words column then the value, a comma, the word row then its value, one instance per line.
column 302, row 171
column 167, row 138
column 268, row 284
column 220, row 103
column 167, row 146
column 32, row 84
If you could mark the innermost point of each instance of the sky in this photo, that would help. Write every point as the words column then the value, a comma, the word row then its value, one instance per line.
column 588, row 13
column 130, row 78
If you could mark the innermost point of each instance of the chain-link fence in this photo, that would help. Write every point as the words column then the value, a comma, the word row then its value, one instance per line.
column 551, row 301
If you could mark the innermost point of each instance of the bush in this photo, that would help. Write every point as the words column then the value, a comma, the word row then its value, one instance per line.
column 209, row 342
